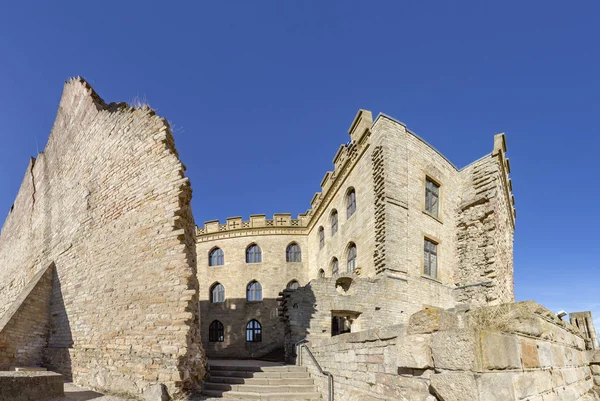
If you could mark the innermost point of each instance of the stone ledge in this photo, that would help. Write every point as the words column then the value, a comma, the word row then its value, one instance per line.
column 30, row 386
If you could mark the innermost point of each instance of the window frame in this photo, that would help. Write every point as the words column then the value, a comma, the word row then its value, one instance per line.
column 335, row 262
column 252, row 254
column 253, row 331
column 321, row 237
column 293, row 251
column 350, row 203
column 437, row 215
column 293, row 282
column 334, row 219
column 427, row 254
column 216, row 332
column 351, row 246
column 212, row 293
column 251, row 289
column 220, row 258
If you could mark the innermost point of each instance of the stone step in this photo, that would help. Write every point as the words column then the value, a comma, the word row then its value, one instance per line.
column 238, row 395
column 258, row 368
column 259, row 381
column 262, row 375
column 262, row 389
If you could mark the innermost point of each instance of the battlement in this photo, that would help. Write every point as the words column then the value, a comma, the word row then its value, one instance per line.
column 256, row 221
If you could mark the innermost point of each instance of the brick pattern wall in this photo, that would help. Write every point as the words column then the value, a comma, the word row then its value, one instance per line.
column 108, row 202
column 24, row 327
column 273, row 274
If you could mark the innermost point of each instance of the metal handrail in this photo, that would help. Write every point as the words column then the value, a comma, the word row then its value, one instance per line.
column 302, row 344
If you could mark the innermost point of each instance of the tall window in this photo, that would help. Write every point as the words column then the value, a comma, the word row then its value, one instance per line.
column 253, row 332
column 216, row 332
column 216, row 257
column 293, row 285
column 217, row 293
column 351, row 258
column 254, row 291
column 321, row 273
column 350, row 203
column 334, row 266
column 334, row 222
column 253, row 254
column 293, row 253
column 321, row 237
column 432, row 197
column 430, row 266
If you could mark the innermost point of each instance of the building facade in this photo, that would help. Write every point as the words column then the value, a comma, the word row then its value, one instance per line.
column 394, row 217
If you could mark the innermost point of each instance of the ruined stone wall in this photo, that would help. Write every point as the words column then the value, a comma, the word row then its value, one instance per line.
column 508, row 352
column 585, row 323
column 485, row 230
column 379, row 301
column 24, row 326
column 108, row 202
column 273, row 274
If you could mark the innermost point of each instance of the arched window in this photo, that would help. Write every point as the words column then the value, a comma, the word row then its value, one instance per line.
column 293, row 253
column 253, row 331
column 217, row 293
column 334, row 266
column 321, row 237
column 334, row 222
column 292, row 285
column 253, row 254
column 351, row 257
column 350, row 202
column 254, row 291
column 216, row 257
column 216, row 332
column 321, row 273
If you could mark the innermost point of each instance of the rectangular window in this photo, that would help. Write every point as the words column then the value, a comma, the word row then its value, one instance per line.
column 430, row 266
column 432, row 197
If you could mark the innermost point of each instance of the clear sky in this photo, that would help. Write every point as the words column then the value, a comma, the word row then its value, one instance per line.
column 261, row 93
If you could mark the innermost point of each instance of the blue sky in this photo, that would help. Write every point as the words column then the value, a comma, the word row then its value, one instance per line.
column 260, row 95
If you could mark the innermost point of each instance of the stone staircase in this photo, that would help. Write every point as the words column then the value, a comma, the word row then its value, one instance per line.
column 256, row 380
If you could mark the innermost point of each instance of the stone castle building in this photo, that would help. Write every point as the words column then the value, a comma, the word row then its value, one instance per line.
column 393, row 210
column 397, row 283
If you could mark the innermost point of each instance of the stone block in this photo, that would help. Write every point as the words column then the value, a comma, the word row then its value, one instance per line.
column 496, row 387
column 156, row 392
column 431, row 320
column 499, row 351
column 414, row 351
column 455, row 386
column 529, row 353
column 454, row 350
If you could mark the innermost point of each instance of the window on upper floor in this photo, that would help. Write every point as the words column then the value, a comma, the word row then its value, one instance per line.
column 217, row 293
column 253, row 331
column 216, row 332
column 335, row 269
column 293, row 285
column 321, row 237
column 216, row 257
column 430, row 263
column 254, row 292
column 293, row 253
column 351, row 265
column 350, row 202
column 253, row 254
column 334, row 222
column 432, row 197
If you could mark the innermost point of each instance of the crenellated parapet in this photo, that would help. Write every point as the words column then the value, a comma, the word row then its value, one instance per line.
column 258, row 224
column 343, row 162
